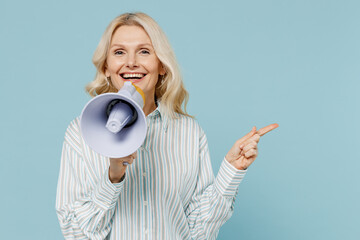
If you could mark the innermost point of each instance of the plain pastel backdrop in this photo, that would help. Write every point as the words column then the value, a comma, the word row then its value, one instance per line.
column 245, row 63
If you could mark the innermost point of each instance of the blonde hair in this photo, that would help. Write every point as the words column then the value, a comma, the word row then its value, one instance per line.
column 170, row 90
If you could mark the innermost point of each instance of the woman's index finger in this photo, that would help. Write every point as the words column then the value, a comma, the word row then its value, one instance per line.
column 267, row 129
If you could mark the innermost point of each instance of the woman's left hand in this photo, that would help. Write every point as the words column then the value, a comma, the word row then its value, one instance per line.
column 244, row 151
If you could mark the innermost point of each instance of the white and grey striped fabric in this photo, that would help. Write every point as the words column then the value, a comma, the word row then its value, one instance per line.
column 169, row 192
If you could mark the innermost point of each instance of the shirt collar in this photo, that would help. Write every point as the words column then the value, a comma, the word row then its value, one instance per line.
column 159, row 112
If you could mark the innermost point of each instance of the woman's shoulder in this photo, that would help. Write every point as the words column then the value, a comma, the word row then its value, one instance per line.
column 74, row 126
column 72, row 134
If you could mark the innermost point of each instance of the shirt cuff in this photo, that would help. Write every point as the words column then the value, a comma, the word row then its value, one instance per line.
column 228, row 179
column 106, row 193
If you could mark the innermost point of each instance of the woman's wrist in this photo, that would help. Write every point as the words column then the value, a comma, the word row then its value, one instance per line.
column 116, row 179
column 116, row 175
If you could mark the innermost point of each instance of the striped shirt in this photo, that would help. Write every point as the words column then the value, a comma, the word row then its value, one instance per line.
column 169, row 192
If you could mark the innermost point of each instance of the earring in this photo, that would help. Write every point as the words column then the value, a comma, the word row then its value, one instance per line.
column 107, row 79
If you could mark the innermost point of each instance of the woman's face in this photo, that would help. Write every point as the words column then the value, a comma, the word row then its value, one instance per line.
column 131, row 57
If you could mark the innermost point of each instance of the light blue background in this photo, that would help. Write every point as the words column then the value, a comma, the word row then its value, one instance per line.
column 244, row 63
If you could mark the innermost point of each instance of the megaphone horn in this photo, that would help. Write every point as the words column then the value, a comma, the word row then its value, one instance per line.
column 114, row 124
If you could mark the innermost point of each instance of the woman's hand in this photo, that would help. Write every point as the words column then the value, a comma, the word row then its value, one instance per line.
column 244, row 151
column 118, row 167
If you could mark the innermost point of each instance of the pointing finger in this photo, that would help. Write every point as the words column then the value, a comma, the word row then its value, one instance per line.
column 267, row 129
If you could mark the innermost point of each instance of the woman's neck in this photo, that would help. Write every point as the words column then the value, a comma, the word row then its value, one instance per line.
column 149, row 107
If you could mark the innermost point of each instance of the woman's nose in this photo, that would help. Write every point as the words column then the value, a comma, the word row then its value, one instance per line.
column 131, row 61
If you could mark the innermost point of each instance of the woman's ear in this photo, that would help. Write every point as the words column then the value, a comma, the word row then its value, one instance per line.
column 162, row 71
column 107, row 74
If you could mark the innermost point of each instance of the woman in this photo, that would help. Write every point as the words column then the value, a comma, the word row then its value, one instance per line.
column 168, row 190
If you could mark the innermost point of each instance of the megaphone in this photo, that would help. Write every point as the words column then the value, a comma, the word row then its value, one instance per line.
column 114, row 124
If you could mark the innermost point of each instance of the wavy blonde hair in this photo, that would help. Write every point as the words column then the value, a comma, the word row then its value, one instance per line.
column 170, row 90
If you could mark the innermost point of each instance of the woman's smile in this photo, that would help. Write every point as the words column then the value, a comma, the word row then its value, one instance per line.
column 134, row 77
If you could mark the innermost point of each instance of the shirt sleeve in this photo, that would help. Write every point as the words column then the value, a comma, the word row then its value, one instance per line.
column 213, row 200
column 84, row 207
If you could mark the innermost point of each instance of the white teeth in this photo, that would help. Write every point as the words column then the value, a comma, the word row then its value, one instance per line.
column 132, row 75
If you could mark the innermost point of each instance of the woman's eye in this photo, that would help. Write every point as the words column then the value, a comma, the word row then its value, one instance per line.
column 119, row 52
column 144, row 51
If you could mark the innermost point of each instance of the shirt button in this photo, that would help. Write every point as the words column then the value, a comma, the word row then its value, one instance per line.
column 146, row 231
column 145, row 203
column 144, row 174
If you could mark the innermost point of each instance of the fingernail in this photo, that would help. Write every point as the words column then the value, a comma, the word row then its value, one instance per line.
column 125, row 163
column 241, row 146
